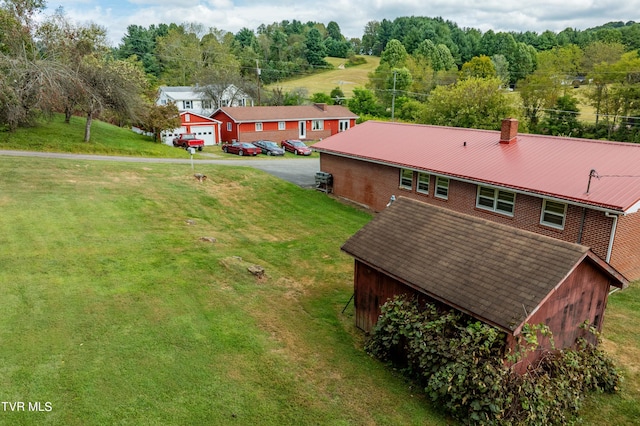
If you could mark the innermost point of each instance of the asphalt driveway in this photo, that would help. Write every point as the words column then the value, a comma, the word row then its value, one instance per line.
column 300, row 171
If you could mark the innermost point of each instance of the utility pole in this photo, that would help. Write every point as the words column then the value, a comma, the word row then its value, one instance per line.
column 393, row 98
column 258, row 80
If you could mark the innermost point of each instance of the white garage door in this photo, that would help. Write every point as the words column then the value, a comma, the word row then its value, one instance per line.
column 206, row 133
column 168, row 135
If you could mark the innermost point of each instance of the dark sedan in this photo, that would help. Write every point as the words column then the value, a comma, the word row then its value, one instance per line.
column 241, row 148
column 269, row 147
column 296, row 146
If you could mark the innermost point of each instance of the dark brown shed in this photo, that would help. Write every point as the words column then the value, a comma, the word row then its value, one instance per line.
column 501, row 275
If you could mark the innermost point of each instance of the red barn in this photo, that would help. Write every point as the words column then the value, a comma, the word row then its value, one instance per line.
column 503, row 276
column 276, row 123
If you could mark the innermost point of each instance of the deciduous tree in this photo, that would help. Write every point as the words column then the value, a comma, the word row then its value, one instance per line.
column 473, row 103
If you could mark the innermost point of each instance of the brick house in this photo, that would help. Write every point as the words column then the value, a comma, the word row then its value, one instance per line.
column 502, row 276
column 577, row 190
column 276, row 123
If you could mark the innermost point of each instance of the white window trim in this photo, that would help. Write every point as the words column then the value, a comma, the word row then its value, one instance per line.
column 543, row 210
column 439, row 186
column 188, row 104
column 258, row 127
column 428, row 181
column 402, row 184
column 229, row 126
column 495, row 198
column 282, row 125
column 317, row 125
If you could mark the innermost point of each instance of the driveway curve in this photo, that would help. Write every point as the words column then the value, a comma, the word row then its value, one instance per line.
column 300, row 171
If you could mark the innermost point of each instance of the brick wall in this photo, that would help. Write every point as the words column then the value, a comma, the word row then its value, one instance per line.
column 625, row 255
column 373, row 185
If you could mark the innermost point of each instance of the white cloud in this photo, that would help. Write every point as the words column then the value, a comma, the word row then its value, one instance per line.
column 352, row 16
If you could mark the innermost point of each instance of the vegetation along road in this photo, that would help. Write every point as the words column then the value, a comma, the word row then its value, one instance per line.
column 300, row 171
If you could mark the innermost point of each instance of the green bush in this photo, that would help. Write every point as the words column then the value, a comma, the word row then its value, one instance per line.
column 462, row 365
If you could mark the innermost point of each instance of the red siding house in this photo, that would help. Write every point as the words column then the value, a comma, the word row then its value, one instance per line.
column 502, row 276
column 577, row 190
column 205, row 128
column 306, row 122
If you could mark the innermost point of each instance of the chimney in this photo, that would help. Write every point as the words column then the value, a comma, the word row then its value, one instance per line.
column 323, row 107
column 509, row 131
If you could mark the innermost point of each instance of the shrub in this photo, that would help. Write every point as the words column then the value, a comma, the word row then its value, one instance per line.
column 460, row 362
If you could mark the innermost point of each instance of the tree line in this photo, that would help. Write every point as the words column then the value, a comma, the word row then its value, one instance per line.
column 431, row 71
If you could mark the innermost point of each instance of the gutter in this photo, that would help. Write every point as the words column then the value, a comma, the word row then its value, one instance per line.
column 613, row 234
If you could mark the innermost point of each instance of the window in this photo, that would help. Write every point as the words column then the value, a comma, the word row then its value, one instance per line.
column 229, row 126
column 206, row 104
column 187, row 117
column 282, row 125
column 258, row 127
column 188, row 104
column 343, row 125
column 406, row 178
column 553, row 214
column 317, row 125
column 442, row 187
column 423, row 182
column 495, row 200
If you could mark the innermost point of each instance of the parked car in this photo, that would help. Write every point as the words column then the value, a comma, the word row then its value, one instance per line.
column 269, row 147
column 241, row 148
column 296, row 146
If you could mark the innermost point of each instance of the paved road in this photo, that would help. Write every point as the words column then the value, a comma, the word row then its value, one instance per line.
column 300, row 171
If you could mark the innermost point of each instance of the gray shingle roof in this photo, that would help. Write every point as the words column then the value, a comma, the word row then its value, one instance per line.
column 494, row 272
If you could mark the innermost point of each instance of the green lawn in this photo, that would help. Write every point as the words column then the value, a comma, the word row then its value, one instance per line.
column 53, row 135
column 114, row 310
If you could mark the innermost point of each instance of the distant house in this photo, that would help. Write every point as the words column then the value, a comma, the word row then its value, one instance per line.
column 205, row 128
column 277, row 123
column 576, row 190
column 189, row 98
column 503, row 276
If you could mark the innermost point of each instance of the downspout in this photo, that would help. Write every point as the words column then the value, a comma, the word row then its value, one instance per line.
column 613, row 234
column 584, row 214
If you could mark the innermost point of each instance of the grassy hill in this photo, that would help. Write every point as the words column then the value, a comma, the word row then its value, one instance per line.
column 347, row 78
column 53, row 135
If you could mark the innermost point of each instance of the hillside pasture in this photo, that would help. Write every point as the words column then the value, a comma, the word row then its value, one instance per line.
column 347, row 78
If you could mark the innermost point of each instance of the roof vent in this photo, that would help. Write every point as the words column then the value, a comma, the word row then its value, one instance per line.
column 509, row 131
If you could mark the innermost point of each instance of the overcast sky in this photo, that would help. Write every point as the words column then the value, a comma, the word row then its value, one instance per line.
column 351, row 15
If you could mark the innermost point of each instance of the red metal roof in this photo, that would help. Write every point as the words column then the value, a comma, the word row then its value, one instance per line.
column 555, row 167
column 284, row 113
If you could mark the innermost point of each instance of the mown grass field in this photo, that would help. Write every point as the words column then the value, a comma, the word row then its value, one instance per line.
column 115, row 311
column 324, row 82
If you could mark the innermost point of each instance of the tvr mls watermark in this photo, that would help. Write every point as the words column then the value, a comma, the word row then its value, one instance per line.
column 26, row 406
